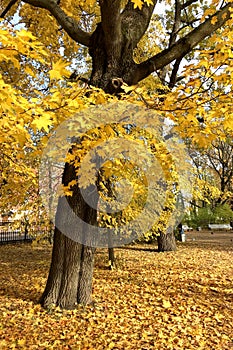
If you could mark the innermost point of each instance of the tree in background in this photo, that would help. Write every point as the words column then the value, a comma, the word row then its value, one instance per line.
column 220, row 159
column 215, row 168
column 111, row 31
column 213, row 175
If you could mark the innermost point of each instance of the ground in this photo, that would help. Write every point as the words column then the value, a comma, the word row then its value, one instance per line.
column 178, row 300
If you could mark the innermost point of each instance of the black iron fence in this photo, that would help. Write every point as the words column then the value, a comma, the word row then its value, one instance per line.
column 14, row 236
column 19, row 232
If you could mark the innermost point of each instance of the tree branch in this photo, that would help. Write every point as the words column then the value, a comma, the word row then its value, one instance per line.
column 7, row 9
column 71, row 26
column 175, row 69
column 188, row 3
column 110, row 9
column 195, row 205
column 135, row 21
column 176, row 25
column 183, row 45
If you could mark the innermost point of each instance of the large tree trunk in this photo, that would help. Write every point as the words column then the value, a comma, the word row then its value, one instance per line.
column 70, row 277
column 166, row 242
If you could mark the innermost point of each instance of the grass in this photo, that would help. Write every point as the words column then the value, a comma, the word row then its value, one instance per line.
column 176, row 300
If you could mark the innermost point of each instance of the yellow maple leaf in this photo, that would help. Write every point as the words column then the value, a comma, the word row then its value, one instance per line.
column 42, row 123
column 137, row 3
column 214, row 20
column 22, row 342
column 148, row 2
column 59, row 70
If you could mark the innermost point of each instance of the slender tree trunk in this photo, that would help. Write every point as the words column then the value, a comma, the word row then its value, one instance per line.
column 166, row 242
column 111, row 258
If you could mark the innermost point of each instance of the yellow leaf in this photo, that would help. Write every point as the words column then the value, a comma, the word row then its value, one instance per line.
column 148, row 2
column 137, row 3
column 127, row 88
column 59, row 70
column 26, row 34
column 111, row 345
column 42, row 123
column 214, row 20
column 166, row 304
column 21, row 342
column 28, row 70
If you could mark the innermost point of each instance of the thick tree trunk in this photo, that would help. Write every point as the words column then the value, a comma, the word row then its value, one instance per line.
column 166, row 242
column 70, row 277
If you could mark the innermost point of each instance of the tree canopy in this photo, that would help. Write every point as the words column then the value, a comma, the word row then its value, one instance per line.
column 192, row 81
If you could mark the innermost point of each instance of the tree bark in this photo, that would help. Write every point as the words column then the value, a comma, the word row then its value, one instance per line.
column 70, row 277
column 166, row 242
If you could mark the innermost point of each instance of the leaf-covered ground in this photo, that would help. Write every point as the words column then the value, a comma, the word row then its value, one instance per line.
column 181, row 300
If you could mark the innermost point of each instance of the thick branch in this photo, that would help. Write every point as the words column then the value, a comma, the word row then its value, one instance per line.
column 7, row 9
column 135, row 21
column 111, row 24
column 71, row 26
column 182, row 46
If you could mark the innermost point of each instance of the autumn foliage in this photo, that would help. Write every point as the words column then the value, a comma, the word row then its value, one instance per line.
column 36, row 94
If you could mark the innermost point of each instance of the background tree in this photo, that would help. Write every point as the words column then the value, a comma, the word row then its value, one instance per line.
column 212, row 194
column 111, row 44
column 220, row 159
column 214, row 165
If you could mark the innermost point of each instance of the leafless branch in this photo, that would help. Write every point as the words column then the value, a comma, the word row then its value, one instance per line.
column 176, row 25
column 187, row 4
column 7, row 9
column 175, row 69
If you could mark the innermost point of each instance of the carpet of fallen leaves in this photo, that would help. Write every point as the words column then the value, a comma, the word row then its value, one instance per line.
column 175, row 300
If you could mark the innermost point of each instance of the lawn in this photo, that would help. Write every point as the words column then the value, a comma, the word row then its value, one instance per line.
column 177, row 300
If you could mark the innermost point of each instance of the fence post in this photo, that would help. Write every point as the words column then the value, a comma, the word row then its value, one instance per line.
column 26, row 230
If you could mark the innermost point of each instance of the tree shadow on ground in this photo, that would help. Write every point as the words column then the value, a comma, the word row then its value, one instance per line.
column 141, row 248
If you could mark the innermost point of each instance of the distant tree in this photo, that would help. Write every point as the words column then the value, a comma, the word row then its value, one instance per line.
column 214, row 168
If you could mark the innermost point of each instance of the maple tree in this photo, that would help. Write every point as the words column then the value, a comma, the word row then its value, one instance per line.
column 17, row 115
column 221, row 161
column 212, row 178
column 63, row 27
column 214, row 169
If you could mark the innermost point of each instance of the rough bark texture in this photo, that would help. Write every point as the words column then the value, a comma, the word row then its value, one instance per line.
column 111, row 258
column 111, row 47
column 166, row 242
column 70, row 277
